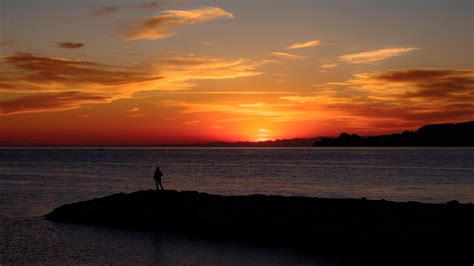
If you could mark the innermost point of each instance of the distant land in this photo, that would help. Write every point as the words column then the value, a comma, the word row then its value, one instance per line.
column 436, row 135
column 270, row 143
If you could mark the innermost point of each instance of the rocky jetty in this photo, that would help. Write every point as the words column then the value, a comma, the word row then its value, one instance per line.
column 326, row 225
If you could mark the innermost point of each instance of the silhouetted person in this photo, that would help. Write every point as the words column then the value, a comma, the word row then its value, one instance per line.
column 157, row 177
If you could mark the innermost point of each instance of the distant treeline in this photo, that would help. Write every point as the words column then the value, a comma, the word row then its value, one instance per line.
column 439, row 135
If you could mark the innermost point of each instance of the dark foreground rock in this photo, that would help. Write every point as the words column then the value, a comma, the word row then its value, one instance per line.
column 341, row 226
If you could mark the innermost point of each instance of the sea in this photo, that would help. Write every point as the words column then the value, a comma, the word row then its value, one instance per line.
column 35, row 181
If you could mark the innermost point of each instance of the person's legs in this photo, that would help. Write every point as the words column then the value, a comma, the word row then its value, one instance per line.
column 161, row 186
column 156, row 181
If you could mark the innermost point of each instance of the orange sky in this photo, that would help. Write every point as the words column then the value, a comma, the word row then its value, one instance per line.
column 144, row 73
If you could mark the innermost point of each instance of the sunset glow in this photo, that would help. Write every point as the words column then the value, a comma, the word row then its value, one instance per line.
column 146, row 73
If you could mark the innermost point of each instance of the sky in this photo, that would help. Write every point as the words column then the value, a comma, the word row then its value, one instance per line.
column 111, row 73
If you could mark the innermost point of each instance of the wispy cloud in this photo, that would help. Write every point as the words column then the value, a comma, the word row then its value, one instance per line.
column 159, row 27
column 51, row 79
column 321, row 98
column 6, row 43
column 191, row 122
column 47, row 73
column 328, row 66
column 251, row 104
column 193, row 67
column 273, row 111
column 286, row 55
column 105, row 10
column 337, row 83
column 374, row 56
column 430, row 85
column 70, row 45
column 394, row 99
column 149, row 5
column 49, row 102
column 305, row 44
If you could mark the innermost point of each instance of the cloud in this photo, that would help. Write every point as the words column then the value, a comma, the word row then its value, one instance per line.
column 192, row 122
column 56, row 84
column 374, row 56
column 34, row 72
column 393, row 100
column 276, row 112
column 6, row 43
column 286, row 55
column 70, row 45
column 301, row 99
column 49, row 102
column 184, row 67
column 149, row 5
column 52, row 72
column 304, row 44
column 321, row 97
column 417, row 75
column 338, row 83
column 159, row 27
column 105, row 10
column 46, row 77
column 328, row 66
column 432, row 85
column 251, row 104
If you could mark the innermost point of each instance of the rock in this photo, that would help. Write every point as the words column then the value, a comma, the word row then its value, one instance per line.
column 342, row 226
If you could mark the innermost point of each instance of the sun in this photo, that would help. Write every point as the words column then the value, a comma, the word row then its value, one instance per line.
column 263, row 134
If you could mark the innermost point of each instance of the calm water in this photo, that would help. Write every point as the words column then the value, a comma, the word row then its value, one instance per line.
column 33, row 182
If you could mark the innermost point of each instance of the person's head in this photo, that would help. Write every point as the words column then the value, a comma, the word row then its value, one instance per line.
column 157, row 168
